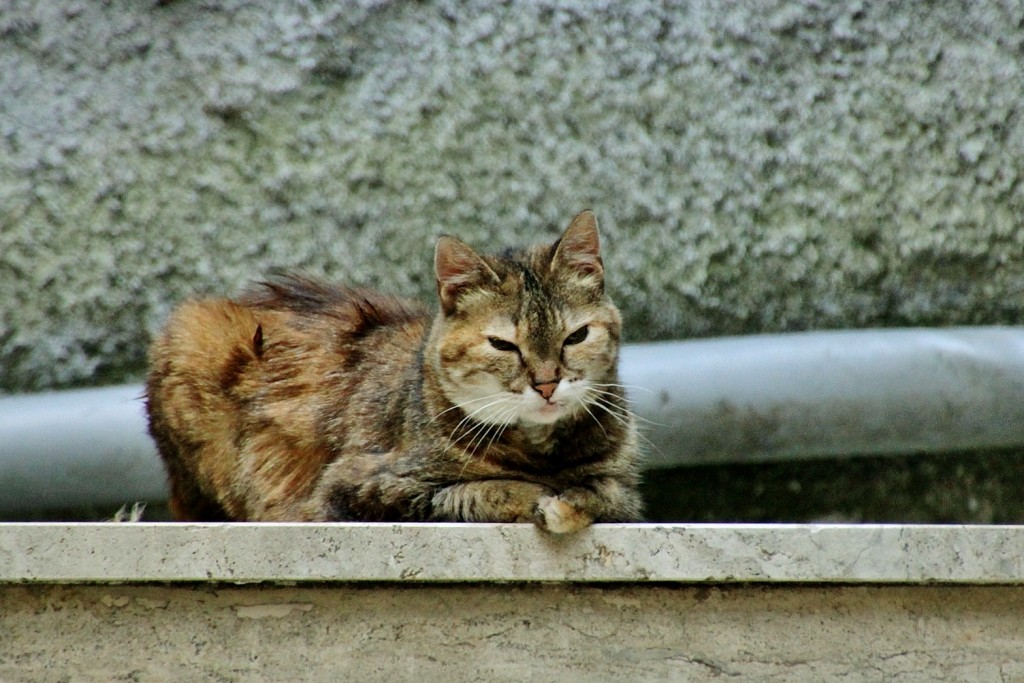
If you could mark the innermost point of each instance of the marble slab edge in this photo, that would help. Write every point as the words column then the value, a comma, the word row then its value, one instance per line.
column 450, row 553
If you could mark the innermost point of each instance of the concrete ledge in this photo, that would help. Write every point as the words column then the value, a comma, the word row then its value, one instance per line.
column 392, row 602
column 689, row 553
column 519, row 632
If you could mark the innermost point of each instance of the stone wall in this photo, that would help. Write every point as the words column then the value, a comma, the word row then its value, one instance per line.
column 757, row 166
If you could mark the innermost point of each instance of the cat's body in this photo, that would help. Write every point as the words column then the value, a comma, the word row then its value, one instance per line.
column 307, row 402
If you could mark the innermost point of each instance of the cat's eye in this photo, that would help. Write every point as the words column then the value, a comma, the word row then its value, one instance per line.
column 502, row 345
column 577, row 336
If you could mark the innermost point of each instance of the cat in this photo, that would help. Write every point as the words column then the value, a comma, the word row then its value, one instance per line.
column 304, row 401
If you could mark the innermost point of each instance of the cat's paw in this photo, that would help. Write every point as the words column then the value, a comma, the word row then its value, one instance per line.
column 559, row 517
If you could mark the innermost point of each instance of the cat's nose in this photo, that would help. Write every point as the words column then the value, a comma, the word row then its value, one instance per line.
column 546, row 389
column 545, row 378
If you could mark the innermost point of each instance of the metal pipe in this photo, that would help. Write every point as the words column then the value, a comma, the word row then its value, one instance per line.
column 77, row 448
column 740, row 399
column 814, row 394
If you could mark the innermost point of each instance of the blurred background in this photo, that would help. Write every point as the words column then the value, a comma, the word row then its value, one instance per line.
column 756, row 167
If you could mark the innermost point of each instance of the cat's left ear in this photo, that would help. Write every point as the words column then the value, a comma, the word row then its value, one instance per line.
column 578, row 251
column 458, row 268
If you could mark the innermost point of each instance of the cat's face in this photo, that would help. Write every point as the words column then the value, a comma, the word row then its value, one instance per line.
column 527, row 338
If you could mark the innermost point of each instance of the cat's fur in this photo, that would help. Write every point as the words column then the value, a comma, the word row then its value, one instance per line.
column 309, row 402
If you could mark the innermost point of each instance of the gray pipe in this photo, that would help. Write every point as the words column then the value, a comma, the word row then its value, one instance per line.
column 77, row 448
column 744, row 399
column 814, row 394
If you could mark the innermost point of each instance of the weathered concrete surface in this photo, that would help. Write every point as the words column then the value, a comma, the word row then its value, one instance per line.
column 416, row 553
column 470, row 602
column 757, row 166
column 896, row 634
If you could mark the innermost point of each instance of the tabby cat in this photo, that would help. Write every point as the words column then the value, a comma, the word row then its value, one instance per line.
column 302, row 401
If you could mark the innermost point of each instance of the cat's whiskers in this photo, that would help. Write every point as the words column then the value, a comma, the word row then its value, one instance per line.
column 468, row 451
column 480, row 424
column 591, row 414
column 507, row 417
column 623, row 415
column 617, row 412
column 478, row 433
column 602, row 392
column 631, row 387
column 495, row 399
column 609, row 397
column 489, row 435
column 620, row 413
column 469, row 433
column 463, row 404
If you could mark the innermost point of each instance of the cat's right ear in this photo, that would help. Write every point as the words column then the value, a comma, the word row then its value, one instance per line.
column 458, row 268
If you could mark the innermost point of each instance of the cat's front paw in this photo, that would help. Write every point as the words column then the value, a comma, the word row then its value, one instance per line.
column 559, row 517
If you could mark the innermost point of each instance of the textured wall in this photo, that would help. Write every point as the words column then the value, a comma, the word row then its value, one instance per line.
column 558, row 632
column 756, row 166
